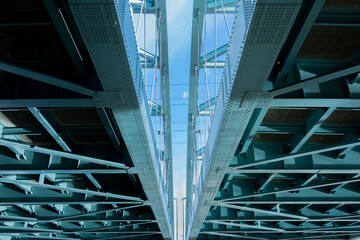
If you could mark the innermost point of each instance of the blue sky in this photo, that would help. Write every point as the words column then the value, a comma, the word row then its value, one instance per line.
column 179, row 24
column 179, row 36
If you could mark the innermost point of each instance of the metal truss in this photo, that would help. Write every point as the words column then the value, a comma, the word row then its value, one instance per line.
column 77, row 148
column 157, row 64
column 201, row 110
column 280, row 161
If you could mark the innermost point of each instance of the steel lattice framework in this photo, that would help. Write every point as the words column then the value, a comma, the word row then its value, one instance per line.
column 281, row 157
column 77, row 147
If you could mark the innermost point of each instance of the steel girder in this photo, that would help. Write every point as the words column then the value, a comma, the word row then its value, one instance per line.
column 109, row 48
column 224, row 133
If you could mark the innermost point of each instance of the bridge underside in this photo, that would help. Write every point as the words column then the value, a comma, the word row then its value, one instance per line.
column 293, row 172
column 66, row 168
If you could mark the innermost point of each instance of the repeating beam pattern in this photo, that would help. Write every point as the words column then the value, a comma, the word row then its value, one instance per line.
column 291, row 172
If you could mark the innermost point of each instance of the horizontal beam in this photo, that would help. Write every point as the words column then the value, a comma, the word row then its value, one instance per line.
column 206, row 105
column 155, row 109
column 49, row 128
column 47, row 103
column 41, row 77
column 244, row 226
column 85, row 220
column 219, row 64
column 301, row 154
column 232, row 235
column 261, row 211
column 315, row 80
column 66, row 202
column 315, row 103
column 70, row 189
column 281, row 219
column 296, row 202
column 301, row 230
column 283, row 129
column 62, row 171
column 291, row 189
column 60, row 130
column 211, row 55
column 149, row 56
column 64, row 155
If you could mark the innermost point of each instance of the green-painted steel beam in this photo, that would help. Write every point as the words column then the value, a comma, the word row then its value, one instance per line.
column 65, row 155
column 315, row 80
column 211, row 55
column 191, row 157
column 301, row 154
column 132, row 115
column 46, row 103
column 324, row 130
column 60, row 130
column 315, row 103
column 65, row 35
column 319, row 185
column 206, row 105
column 262, row 211
column 166, row 104
column 155, row 109
column 49, row 128
column 315, row 121
column 70, row 189
column 41, row 77
column 230, row 235
column 149, row 56
column 238, row 95
column 307, row 21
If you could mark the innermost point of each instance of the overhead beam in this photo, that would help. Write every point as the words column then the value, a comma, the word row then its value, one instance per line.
column 315, row 80
column 191, row 156
column 24, row 171
column 60, row 130
column 65, row 35
column 310, row 103
column 49, row 128
column 322, row 130
column 70, row 189
column 281, row 219
column 149, row 56
column 295, row 171
column 42, row 77
column 93, row 180
column 244, row 226
column 312, row 125
column 308, row 19
column 262, row 211
column 166, row 108
column 28, row 202
column 318, row 185
column 295, row 201
column 216, row 233
column 155, row 109
column 206, row 105
column 301, row 154
column 47, row 103
column 268, row 180
column 65, row 155
column 211, row 55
